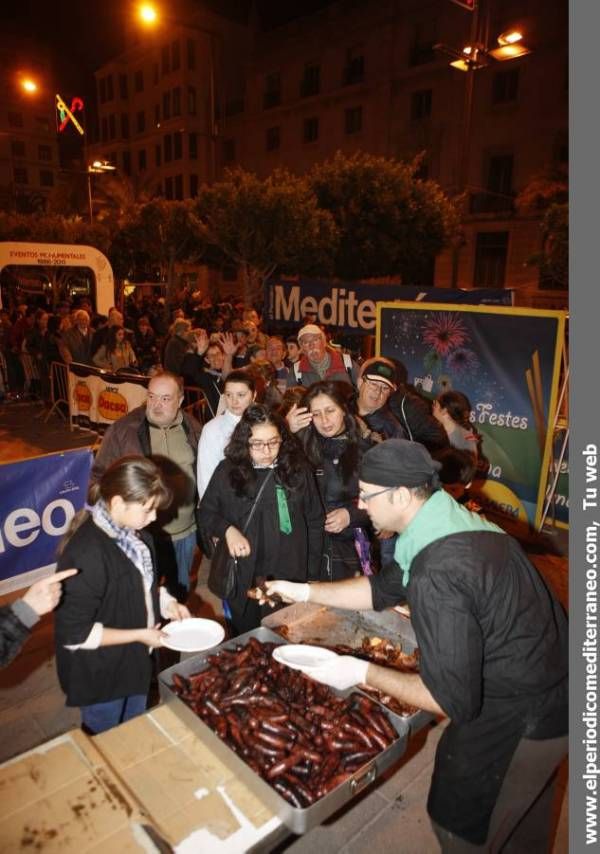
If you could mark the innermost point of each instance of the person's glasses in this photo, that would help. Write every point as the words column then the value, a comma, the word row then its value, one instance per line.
column 259, row 445
column 380, row 388
column 366, row 496
column 164, row 398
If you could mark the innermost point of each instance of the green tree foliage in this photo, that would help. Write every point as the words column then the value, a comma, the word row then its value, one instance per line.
column 53, row 228
column 390, row 223
column 266, row 226
column 549, row 192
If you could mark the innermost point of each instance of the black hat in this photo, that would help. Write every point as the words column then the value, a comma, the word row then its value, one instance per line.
column 398, row 462
column 381, row 371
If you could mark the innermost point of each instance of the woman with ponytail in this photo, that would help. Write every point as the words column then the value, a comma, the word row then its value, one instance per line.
column 108, row 621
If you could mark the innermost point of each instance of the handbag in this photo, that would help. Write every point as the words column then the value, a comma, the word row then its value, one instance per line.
column 222, row 576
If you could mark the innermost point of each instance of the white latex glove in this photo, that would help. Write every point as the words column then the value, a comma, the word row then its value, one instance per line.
column 289, row 591
column 342, row 672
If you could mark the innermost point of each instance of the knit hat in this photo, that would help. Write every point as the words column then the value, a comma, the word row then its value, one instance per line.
column 380, row 371
column 310, row 329
column 398, row 462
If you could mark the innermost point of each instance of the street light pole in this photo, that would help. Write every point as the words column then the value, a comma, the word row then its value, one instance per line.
column 96, row 166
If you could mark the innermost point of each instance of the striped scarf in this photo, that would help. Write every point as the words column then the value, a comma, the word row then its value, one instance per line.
column 128, row 541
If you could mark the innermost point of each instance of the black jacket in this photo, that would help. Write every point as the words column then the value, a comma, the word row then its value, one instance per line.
column 296, row 556
column 416, row 419
column 194, row 372
column 108, row 590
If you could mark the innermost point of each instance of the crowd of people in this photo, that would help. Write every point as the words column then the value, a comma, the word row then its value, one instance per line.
column 329, row 479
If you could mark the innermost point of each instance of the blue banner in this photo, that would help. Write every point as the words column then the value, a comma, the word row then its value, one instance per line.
column 38, row 499
column 352, row 306
column 507, row 362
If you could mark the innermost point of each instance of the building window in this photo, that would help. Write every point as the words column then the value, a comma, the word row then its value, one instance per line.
column 311, row 129
column 158, row 155
column 124, row 126
column 46, row 178
column 420, row 104
column 175, row 56
column 42, row 123
column 498, row 197
column 166, row 105
column 123, row 88
column 353, row 120
column 272, row 95
column 179, row 187
column 273, row 139
column 165, row 60
column 139, row 80
column 191, row 93
column 311, row 81
column 168, row 148
column 127, row 162
column 193, row 146
column 169, row 188
column 177, row 101
column 423, row 40
column 193, row 186
column 354, row 70
column 491, row 250
column 15, row 120
column 112, row 126
column 110, row 92
column 228, row 150
column 191, row 54
column 104, row 131
column 17, row 148
column 102, row 90
column 44, row 152
column 505, row 86
column 141, row 122
column 142, row 164
column 20, row 175
column 177, row 145
column 155, row 73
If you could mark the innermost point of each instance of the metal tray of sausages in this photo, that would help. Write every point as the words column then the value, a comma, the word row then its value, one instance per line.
column 296, row 819
column 307, row 622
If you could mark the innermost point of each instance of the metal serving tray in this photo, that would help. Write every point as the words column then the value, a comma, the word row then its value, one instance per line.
column 298, row 820
column 307, row 622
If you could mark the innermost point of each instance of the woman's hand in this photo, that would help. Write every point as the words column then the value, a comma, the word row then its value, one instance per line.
column 151, row 637
column 237, row 543
column 298, row 417
column 337, row 520
column 176, row 611
column 228, row 343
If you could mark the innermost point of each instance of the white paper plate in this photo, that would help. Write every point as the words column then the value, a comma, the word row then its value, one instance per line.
column 301, row 656
column 193, row 634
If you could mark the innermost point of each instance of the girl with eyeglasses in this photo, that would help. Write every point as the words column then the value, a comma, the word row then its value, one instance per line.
column 285, row 535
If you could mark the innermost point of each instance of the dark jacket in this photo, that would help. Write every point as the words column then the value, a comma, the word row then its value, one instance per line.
column 16, row 621
column 195, row 372
column 131, row 435
column 296, row 556
column 175, row 350
column 78, row 345
column 384, row 423
column 108, row 590
column 417, row 420
column 494, row 655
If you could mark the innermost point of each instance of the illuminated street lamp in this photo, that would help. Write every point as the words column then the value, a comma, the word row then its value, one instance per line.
column 148, row 14
column 29, row 85
column 94, row 168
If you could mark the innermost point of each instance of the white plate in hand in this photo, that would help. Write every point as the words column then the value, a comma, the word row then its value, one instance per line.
column 192, row 635
column 301, row 656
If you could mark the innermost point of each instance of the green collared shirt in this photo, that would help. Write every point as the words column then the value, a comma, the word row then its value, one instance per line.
column 439, row 517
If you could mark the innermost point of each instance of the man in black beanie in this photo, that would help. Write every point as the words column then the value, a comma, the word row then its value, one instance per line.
column 493, row 643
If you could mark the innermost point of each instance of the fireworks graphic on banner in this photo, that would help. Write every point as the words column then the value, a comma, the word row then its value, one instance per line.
column 445, row 332
column 462, row 362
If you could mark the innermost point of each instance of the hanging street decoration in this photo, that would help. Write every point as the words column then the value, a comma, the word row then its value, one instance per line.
column 66, row 114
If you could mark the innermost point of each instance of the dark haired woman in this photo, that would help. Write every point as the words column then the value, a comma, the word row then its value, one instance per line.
column 117, row 354
column 285, row 535
column 334, row 446
column 107, row 622
column 453, row 410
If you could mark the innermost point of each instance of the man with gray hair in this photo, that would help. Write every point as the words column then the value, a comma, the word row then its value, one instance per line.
column 320, row 361
column 76, row 343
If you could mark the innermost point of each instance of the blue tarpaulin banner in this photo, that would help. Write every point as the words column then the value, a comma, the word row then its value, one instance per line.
column 38, row 499
column 507, row 362
column 352, row 306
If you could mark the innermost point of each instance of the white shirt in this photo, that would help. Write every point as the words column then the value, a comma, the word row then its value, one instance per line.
column 214, row 439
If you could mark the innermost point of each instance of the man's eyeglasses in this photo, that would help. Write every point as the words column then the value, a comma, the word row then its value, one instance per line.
column 380, row 388
column 258, row 445
column 366, row 496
